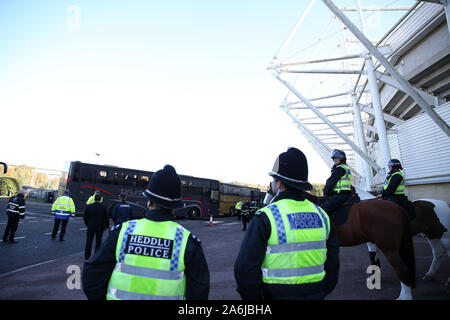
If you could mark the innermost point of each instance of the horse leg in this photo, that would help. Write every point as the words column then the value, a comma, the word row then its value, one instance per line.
column 372, row 247
column 402, row 272
column 438, row 255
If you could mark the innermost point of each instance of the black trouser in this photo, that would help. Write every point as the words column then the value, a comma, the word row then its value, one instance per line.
column 11, row 227
column 63, row 228
column 245, row 220
column 89, row 239
column 335, row 201
column 403, row 201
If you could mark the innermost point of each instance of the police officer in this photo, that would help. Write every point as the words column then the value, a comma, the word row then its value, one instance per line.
column 245, row 214
column 15, row 211
column 96, row 220
column 62, row 209
column 338, row 185
column 394, row 187
column 150, row 258
column 121, row 211
column 238, row 208
column 91, row 198
column 290, row 250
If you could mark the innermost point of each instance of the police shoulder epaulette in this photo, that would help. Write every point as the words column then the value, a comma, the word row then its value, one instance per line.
column 195, row 238
column 117, row 226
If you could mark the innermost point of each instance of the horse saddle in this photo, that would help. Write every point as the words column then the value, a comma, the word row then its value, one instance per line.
column 339, row 215
column 408, row 206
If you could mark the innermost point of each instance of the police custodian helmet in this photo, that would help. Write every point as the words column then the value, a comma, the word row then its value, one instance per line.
column 291, row 168
column 164, row 188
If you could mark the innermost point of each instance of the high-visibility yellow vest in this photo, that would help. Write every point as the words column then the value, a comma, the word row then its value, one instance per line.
column 401, row 187
column 63, row 207
column 296, row 249
column 345, row 182
column 238, row 205
column 150, row 261
column 91, row 200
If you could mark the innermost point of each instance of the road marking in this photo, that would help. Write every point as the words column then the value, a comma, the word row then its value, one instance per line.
column 83, row 229
column 35, row 265
column 16, row 238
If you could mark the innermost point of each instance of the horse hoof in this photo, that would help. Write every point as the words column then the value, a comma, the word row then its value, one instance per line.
column 427, row 278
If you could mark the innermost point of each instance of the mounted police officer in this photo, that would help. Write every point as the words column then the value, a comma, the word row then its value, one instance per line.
column 151, row 258
column 394, row 187
column 338, row 186
column 290, row 250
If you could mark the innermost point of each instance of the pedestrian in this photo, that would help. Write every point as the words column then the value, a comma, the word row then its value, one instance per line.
column 121, row 211
column 153, row 257
column 62, row 209
column 290, row 250
column 96, row 220
column 15, row 211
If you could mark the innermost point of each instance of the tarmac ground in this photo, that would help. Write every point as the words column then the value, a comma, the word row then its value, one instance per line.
column 37, row 268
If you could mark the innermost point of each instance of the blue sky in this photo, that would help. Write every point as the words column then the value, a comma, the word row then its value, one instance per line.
column 146, row 83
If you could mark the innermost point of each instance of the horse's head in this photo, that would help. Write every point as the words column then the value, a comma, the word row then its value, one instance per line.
column 427, row 220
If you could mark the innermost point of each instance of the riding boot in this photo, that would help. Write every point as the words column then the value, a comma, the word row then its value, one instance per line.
column 374, row 261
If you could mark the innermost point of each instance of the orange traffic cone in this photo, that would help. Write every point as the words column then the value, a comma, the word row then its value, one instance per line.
column 211, row 222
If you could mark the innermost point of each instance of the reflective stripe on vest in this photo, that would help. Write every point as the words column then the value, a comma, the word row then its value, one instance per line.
column 63, row 207
column 296, row 249
column 401, row 187
column 345, row 182
column 149, row 277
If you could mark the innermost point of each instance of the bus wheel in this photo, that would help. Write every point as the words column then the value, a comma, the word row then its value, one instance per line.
column 193, row 213
column 232, row 212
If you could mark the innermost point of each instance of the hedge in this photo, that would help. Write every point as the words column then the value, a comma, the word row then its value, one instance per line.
column 8, row 186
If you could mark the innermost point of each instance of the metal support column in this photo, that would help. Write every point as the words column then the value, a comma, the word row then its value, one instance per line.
column 330, row 124
column 359, row 130
column 389, row 68
column 376, row 101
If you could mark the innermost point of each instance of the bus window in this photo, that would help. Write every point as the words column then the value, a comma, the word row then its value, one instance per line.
column 215, row 195
column 143, row 182
column 88, row 175
column 103, row 177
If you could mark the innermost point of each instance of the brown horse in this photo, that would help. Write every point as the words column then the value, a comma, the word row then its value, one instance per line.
column 386, row 224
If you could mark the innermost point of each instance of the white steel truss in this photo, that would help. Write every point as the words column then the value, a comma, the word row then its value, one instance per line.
column 348, row 114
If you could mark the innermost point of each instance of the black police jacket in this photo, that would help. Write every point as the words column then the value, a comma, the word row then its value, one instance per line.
column 247, row 268
column 98, row 270
column 336, row 174
column 96, row 217
column 16, row 206
column 392, row 187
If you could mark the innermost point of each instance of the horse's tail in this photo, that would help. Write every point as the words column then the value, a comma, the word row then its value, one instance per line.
column 407, row 249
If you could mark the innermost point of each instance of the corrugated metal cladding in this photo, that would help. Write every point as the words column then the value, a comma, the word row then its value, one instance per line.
column 425, row 148
column 424, row 13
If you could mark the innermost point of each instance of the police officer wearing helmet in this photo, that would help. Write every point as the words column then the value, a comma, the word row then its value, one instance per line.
column 394, row 185
column 338, row 185
column 290, row 249
column 151, row 258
